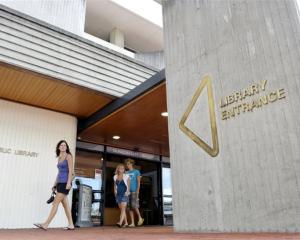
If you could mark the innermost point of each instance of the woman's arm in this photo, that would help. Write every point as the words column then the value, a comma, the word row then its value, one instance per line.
column 128, row 187
column 55, row 183
column 115, row 187
column 70, row 166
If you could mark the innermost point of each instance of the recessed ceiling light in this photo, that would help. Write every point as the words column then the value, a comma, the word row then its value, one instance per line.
column 164, row 114
column 116, row 137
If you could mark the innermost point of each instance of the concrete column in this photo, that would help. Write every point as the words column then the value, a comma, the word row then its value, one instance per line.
column 247, row 177
column 116, row 37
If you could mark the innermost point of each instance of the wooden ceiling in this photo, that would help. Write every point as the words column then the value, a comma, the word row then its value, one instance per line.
column 35, row 89
column 139, row 124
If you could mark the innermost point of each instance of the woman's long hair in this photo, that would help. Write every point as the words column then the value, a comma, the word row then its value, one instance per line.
column 119, row 166
column 57, row 148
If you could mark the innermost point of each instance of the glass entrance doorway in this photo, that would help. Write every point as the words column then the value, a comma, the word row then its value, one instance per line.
column 149, row 198
column 95, row 167
column 88, row 171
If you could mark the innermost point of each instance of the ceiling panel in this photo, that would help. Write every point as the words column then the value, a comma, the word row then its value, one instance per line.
column 139, row 124
column 35, row 89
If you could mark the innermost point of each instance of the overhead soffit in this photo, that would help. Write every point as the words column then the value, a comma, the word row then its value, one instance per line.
column 24, row 86
column 139, row 124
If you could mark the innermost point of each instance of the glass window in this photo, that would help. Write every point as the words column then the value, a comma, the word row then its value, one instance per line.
column 167, row 196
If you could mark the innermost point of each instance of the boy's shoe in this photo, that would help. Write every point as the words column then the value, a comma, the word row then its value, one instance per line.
column 131, row 225
column 140, row 222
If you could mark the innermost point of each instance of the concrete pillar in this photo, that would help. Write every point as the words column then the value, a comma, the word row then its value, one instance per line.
column 241, row 174
column 116, row 36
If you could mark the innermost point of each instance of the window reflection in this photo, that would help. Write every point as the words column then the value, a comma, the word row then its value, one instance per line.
column 167, row 196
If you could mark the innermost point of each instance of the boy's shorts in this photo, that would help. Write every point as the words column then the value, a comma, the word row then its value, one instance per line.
column 133, row 200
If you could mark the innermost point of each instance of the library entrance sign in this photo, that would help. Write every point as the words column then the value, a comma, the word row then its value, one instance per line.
column 242, row 101
column 246, row 100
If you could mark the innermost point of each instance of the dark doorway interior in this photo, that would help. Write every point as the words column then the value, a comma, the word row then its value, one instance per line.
column 149, row 204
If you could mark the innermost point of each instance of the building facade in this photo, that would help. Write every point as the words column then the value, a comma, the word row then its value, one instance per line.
column 90, row 72
column 56, row 78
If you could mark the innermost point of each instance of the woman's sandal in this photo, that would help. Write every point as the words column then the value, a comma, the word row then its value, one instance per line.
column 119, row 225
column 38, row 225
column 68, row 228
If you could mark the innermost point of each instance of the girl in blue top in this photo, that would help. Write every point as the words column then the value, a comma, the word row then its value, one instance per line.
column 121, row 190
column 62, row 185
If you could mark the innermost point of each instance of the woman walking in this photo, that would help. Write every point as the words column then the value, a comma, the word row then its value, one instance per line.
column 62, row 184
column 121, row 189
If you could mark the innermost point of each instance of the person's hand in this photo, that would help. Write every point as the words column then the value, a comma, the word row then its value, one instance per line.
column 126, row 194
column 68, row 186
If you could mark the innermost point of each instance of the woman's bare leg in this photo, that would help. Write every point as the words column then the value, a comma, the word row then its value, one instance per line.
column 125, row 219
column 122, row 207
column 68, row 213
column 131, row 217
column 58, row 198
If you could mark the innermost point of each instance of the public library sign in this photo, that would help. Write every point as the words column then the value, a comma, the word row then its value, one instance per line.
column 18, row 152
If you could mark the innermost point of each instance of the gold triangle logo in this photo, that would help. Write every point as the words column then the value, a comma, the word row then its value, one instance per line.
column 214, row 150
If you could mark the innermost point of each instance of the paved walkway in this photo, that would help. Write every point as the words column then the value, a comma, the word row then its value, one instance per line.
column 141, row 233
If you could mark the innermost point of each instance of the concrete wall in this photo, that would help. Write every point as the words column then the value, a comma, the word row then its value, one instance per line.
column 26, row 180
column 154, row 59
column 65, row 14
column 253, row 184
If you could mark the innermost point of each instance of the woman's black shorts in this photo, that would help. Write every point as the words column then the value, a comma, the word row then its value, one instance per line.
column 61, row 188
